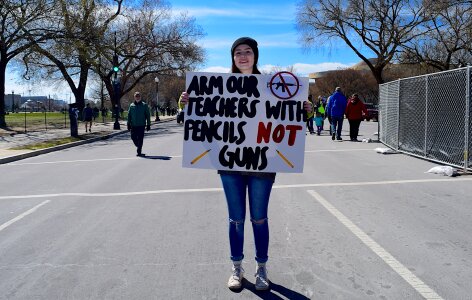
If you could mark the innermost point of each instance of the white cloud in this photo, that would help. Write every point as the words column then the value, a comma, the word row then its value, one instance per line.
column 216, row 69
column 216, row 43
column 281, row 40
column 208, row 12
column 261, row 14
column 305, row 69
column 300, row 68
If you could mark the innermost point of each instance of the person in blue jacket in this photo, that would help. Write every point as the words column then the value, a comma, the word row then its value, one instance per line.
column 336, row 108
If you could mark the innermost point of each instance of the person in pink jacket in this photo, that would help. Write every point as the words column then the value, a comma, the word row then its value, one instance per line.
column 355, row 113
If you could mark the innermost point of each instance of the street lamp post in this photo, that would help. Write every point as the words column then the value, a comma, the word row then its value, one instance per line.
column 45, row 117
column 25, row 115
column 116, row 90
column 102, row 107
column 65, row 114
column 156, row 80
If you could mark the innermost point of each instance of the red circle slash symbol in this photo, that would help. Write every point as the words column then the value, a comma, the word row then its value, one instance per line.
column 284, row 85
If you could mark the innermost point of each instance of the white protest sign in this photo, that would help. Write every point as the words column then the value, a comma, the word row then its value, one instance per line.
column 242, row 122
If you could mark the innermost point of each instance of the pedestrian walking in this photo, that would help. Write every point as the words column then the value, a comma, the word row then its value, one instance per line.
column 355, row 113
column 180, row 112
column 336, row 108
column 310, row 115
column 88, row 117
column 258, row 185
column 328, row 115
column 318, row 122
column 96, row 112
column 139, row 119
column 320, row 108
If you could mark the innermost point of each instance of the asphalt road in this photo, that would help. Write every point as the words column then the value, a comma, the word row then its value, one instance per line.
column 97, row 222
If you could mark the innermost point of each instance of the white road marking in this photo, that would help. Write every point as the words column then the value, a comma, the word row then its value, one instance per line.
column 398, row 267
column 112, row 194
column 338, row 150
column 172, row 156
column 5, row 225
column 139, row 265
column 307, row 185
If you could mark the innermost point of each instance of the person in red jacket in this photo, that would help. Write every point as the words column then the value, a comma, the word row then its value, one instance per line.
column 355, row 113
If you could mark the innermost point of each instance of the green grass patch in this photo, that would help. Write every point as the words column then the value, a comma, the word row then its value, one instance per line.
column 54, row 142
column 38, row 121
column 34, row 116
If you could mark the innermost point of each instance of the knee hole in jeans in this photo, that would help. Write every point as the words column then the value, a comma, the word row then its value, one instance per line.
column 259, row 222
column 236, row 222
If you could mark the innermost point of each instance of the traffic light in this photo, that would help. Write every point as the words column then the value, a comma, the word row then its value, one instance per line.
column 116, row 68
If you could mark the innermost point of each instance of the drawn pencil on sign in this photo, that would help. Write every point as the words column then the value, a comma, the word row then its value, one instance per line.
column 285, row 159
column 200, row 156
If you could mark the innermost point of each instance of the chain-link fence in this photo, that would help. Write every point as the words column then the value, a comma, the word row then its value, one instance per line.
column 429, row 116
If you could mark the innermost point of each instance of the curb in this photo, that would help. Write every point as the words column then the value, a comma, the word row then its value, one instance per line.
column 13, row 158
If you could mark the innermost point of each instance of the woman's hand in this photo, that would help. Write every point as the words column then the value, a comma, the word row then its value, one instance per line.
column 184, row 98
column 307, row 106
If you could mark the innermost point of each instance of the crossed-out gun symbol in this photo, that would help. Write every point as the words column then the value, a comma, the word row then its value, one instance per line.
column 280, row 84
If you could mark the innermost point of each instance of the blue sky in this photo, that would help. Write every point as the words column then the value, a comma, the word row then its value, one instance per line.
column 270, row 22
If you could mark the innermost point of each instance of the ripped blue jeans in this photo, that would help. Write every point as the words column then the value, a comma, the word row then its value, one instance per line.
column 235, row 186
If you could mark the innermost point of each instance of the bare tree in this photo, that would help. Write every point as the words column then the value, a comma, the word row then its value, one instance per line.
column 351, row 81
column 170, row 88
column 173, row 87
column 72, row 53
column 21, row 26
column 448, row 40
column 276, row 69
column 379, row 25
column 150, row 42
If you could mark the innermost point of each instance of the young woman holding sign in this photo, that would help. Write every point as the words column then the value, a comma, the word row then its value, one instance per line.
column 244, row 55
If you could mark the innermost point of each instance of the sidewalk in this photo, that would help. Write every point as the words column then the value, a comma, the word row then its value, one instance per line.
column 99, row 132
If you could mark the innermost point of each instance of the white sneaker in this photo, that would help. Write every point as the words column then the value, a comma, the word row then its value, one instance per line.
column 262, row 282
column 235, row 280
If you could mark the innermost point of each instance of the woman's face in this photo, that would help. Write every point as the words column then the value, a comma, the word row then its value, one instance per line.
column 244, row 58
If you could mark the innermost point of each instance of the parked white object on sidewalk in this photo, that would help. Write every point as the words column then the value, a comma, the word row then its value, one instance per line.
column 443, row 170
column 385, row 150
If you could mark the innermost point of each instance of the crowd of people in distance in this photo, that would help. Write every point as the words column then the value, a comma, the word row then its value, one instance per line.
column 334, row 108
column 89, row 114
